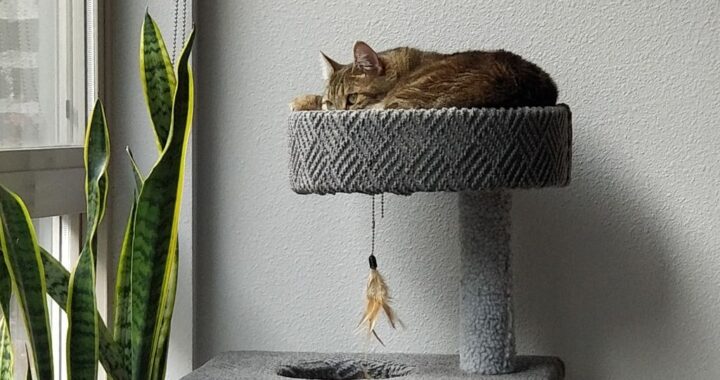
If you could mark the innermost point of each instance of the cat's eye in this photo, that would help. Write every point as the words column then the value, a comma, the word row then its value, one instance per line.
column 327, row 105
column 351, row 99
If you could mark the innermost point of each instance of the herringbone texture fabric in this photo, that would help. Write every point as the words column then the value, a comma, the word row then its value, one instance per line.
column 406, row 151
column 344, row 369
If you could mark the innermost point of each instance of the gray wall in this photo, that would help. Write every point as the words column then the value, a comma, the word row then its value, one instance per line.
column 129, row 125
column 617, row 274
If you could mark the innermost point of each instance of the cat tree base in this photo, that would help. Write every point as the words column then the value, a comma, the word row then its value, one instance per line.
column 246, row 365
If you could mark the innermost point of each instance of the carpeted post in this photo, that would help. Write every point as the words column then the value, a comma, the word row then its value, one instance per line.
column 487, row 343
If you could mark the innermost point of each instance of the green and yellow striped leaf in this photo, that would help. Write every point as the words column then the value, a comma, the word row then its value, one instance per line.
column 82, row 338
column 58, row 278
column 5, row 286
column 158, row 79
column 97, row 159
column 6, row 351
column 137, row 174
column 22, row 256
column 163, row 335
column 29, row 371
column 156, row 226
column 122, row 325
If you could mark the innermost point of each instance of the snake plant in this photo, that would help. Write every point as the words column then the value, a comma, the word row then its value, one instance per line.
column 136, row 346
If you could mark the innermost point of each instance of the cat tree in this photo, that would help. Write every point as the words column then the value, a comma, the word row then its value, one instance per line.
column 481, row 154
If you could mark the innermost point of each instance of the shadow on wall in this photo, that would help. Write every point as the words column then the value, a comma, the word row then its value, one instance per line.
column 591, row 276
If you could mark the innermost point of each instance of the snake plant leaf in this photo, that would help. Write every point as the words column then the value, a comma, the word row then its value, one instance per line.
column 121, row 327
column 160, row 354
column 137, row 174
column 122, row 299
column 6, row 351
column 82, row 338
column 122, row 291
column 158, row 79
column 156, row 228
column 29, row 371
column 111, row 355
column 164, row 323
column 97, row 158
column 22, row 257
column 5, row 286
column 57, row 279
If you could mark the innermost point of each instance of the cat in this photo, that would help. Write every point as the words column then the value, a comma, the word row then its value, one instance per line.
column 404, row 78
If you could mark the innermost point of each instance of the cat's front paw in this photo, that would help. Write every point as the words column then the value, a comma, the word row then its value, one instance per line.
column 306, row 103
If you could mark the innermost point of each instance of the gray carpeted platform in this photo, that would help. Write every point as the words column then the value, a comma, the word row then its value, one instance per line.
column 449, row 149
column 246, row 365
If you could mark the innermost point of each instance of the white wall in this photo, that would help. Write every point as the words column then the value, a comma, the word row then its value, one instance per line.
column 129, row 125
column 618, row 274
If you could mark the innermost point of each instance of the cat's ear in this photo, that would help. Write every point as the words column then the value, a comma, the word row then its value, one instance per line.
column 367, row 59
column 328, row 66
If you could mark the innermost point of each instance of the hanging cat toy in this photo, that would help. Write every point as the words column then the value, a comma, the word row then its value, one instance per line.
column 377, row 293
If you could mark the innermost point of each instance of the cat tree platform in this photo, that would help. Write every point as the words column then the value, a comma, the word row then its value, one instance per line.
column 257, row 365
column 480, row 153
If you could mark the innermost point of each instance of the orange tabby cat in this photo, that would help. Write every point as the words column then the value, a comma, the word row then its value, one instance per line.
column 411, row 78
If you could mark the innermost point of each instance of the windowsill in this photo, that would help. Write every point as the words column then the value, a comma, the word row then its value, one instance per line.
column 32, row 159
column 47, row 179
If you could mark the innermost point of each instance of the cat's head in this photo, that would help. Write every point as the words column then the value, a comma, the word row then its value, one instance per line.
column 360, row 84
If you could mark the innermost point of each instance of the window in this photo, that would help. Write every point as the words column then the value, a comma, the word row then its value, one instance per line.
column 48, row 55
column 47, row 76
column 42, row 73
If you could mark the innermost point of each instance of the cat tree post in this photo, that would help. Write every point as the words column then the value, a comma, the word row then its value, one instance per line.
column 482, row 153
column 487, row 343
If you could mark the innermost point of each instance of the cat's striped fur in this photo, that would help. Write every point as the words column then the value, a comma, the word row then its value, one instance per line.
column 411, row 78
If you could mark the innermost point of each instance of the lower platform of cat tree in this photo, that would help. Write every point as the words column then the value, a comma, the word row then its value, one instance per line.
column 255, row 365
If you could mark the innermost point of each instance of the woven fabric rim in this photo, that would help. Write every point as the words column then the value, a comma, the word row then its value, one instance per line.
column 450, row 149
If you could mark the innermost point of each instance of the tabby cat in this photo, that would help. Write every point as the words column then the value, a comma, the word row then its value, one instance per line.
column 411, row 78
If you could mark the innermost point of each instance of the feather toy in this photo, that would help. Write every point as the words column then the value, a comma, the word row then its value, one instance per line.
column 377, row 301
